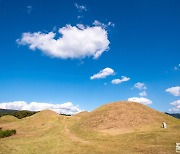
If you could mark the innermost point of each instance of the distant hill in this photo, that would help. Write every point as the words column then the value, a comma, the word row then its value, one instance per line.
column 7, row 111
column 175, row 115
column 7, row 119
column 81, row 114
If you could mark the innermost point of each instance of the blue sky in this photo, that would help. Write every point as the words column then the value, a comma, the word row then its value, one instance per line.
column 139, row 40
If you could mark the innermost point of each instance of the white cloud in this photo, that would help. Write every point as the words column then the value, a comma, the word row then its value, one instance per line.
column 143, row 93
column 98, row 23
column 65, row 108
column 80, row 7
column 75, row 42
column 174, row 90
column 103, row 73
column 140, row 85
column 141, row 100
column 176, row 108
column 118, row 81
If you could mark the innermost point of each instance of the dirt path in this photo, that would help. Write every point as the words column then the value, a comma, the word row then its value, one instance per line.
column 72, row 136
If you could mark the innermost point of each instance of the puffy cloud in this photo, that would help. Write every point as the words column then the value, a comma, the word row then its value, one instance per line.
column 141, row 100
column 103, row 73
column 143, row 93
column 65, row 108
column 75, row 42
column 176, row 108
column 80, row 7
column 118, row 81
column 140, row 85
column 174, row 90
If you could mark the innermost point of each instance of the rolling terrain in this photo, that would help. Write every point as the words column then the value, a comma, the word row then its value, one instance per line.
column 121, row 127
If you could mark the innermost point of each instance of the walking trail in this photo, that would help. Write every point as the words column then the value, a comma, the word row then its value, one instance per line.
column 72, row 136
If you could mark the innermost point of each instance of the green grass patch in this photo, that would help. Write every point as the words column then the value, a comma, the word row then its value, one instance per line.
column 6, row 133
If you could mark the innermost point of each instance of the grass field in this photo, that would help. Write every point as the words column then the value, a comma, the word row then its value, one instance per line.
column 49, row 133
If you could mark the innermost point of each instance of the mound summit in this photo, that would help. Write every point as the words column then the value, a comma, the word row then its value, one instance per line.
column 124, row 116
column 8, row 118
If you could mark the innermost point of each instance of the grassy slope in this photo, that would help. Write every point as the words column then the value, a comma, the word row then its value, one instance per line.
column 151, row 140
column 45, row 132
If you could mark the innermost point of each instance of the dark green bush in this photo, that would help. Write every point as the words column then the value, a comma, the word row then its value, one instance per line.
column 17, row 114
column 6, row 133
column 23, row 114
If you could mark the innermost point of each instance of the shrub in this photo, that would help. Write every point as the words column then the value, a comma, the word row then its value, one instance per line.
column 17, row 114
column 23, row 114
column 6, row 133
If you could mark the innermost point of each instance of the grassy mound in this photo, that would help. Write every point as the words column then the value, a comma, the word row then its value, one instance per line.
column 7, row 119
column 124, row 116
column 41, row 119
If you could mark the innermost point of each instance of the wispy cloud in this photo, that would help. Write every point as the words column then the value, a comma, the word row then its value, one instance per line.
column 65, row 108
column 103, row 73
column 98, row 23
column 75, row 42
column 143, row 93
column 29, row 9
column 119, row 81
column 140, row 86
column 177, row 68
column 80, row 8
column 80, row 16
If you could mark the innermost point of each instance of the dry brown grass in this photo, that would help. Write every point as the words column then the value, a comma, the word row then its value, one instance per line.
column 81, row 114
column 7, row 119
column 124, row 116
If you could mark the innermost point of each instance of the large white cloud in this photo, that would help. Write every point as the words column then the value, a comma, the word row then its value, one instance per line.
column 103, row 73
column 65, row 108
column 75, row 42
column 174, row 90
column 118, row 81
column 176, row 107
column 141, row 100
column 140, row 85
